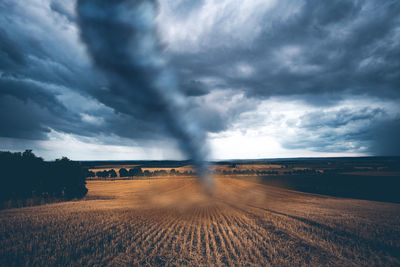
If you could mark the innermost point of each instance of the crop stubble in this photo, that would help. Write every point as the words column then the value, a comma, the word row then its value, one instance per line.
column 172, row 221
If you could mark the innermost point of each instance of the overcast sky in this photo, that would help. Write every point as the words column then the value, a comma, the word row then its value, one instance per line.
column 263, row 79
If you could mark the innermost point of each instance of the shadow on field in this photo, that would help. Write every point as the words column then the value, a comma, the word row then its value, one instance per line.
column 377, row 188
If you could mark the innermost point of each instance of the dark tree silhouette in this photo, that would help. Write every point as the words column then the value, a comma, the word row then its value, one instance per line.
column 90, row 174
column 112, row 173
column 136, row 171
column 123, row 172
column 103, row 174
column 25, row 176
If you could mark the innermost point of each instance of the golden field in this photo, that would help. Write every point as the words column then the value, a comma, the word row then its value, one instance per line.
column 175, row 221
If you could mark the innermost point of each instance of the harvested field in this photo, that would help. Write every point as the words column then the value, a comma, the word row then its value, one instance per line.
column 108, row 167
column 181, row 169
column 175, row 222
column 257, row 167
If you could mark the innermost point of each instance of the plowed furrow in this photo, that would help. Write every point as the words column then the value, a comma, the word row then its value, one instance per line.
column 161, row 235
column 146, row 237
column 278, row 235
column 205, row 240
column 257, row 238
column 229, row 254
column 186, row 235
column 198, row 240
column 213, row 244
column 165, row 244
column 234, row 236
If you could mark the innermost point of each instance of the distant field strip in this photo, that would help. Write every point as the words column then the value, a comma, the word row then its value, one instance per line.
column 174, row 222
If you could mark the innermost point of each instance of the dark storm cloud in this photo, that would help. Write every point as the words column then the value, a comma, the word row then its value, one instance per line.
column 362, row 130
column 64, row 8
column 49, row 84
column 18, row 124
column 223, row 109
column 320, row 52
column 11, row 54
column 194, row 88
column 331, row 48
column 27, row 110
column 340, row 118
column 31, row 109
column 385, row 138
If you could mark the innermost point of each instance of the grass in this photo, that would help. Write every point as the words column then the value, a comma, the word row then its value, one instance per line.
column 173, row 221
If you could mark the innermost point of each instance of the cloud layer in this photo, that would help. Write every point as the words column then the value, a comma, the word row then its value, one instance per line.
column 312, row 76
column 331, row 49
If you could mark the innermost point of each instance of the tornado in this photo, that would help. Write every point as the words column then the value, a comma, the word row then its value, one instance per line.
column 121, row 38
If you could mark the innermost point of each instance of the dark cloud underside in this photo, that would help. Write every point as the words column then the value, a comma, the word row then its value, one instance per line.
column 329, row 48
column 228, row 56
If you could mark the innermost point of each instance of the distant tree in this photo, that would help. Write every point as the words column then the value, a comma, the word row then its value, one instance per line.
column 136, row 171
column 123, row 172
column 90, row 173
column 100, row 174
column 112, row 173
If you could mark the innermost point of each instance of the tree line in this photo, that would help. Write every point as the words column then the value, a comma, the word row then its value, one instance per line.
column 136, row 172
column 24, row 176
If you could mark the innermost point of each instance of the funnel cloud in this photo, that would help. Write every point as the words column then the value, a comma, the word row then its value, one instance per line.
column 121, row 37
